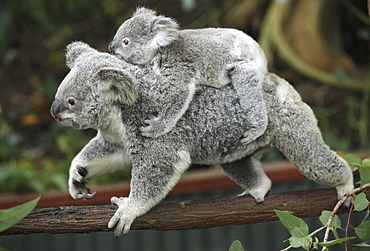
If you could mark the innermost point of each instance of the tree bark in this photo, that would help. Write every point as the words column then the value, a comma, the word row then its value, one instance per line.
column 183, row 215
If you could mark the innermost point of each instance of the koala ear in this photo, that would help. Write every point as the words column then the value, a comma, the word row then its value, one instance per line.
column 74, row 50
column 165, row 30
column 122, row 84
column 144, row 11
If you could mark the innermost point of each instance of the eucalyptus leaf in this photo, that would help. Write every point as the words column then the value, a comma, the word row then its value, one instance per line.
column 296, row 226
column 363, row 230
column 361, row 202
column 9, row 217
column 353, row 160
column 324, row 218
column 364, row 175
column 333, row 242
column 360, row 245
column 366, row 162
column 236, row 246
column 297, row 242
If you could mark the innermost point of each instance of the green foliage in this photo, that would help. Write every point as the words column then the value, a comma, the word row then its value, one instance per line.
column 9, row 217
column 363, row 166
column 236, row 246
column 299, row 230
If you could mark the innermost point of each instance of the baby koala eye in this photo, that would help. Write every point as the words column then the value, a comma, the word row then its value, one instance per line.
column 71, row 101
column 125, row 41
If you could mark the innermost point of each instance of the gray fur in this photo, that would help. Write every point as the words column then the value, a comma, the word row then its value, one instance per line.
column 209, row 132
column 186, row 59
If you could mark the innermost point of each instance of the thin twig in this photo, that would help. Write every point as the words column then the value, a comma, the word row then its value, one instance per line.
column 338, row 205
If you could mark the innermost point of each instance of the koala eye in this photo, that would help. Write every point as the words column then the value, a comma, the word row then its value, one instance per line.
column 71, row 101
column 125, row 41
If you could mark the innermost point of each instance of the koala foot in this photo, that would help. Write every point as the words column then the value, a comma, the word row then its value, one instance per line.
column 156, row 127
column 259, row 196
column 123, row 217
column 77, row 183
column 259, row 193
column 342, row 190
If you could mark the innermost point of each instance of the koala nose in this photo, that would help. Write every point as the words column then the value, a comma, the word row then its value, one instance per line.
column 111, row 47
column 55, row 107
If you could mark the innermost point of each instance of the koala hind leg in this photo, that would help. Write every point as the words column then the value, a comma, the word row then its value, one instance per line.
column 248, row 174
column 299, row 139
column 248, row 86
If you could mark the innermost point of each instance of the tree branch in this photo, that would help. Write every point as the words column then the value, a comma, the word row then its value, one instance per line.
column 183, row 215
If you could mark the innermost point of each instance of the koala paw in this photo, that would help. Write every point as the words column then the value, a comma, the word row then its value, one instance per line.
column 123, row 217
column 251, row 135
column 76, row 183
column 156, row 127
column 342, row 190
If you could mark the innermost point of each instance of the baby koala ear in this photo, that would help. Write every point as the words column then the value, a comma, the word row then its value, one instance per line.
column 165, row 30
column 122, row 86
column 144, row 11
column 74, row 50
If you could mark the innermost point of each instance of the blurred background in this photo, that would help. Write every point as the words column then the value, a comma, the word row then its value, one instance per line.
column 320, row 47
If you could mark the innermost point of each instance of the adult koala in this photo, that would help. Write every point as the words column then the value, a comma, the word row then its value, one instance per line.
column 104, row 93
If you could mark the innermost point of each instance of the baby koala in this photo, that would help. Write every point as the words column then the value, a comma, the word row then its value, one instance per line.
column 184, row 59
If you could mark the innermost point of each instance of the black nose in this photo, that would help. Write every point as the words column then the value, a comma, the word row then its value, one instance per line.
column 54, row 110
column 111, row 47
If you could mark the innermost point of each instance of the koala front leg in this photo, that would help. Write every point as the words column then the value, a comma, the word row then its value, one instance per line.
column 178, row 94
column 151, row 181
column 99, row 156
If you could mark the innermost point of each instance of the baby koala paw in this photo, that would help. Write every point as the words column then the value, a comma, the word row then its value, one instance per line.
column 156, row 127
column 76, row 183
column 249, row 136
column 123, row 217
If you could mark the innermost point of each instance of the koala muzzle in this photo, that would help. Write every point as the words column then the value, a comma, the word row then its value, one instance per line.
column 112, row 46
column 55, row 108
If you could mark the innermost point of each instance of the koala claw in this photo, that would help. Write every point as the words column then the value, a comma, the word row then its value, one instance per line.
column 83, row 191
column 122, row 218
column 85, row 196
column 81, row 170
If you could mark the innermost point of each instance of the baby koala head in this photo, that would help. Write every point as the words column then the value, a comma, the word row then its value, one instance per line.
column 139, row 37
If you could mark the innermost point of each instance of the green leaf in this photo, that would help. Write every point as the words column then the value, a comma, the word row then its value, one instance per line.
column 296, row 226
column 353, row 160
column 366, row 162
column 236, row 246
column 359, row 245
column 333, row 242
column 364, row 175
column 361, row 202
column 4, row 249
column 363, row 230
column 297, row 242
column 9, row 217
column 324, row 218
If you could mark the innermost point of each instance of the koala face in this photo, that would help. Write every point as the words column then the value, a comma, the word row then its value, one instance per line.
column 139, row 37
column 75, row 103
column 132, row 41
column 97, row 82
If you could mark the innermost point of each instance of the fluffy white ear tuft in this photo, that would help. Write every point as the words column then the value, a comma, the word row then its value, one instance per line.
column 121, row 83
column 144, row 11
column 74, row 50
column 165, row 30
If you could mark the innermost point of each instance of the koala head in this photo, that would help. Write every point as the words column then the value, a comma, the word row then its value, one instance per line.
column 96, row 82
column 139, row 37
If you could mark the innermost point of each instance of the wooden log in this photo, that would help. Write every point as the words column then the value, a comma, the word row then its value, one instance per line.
column 184, row 215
